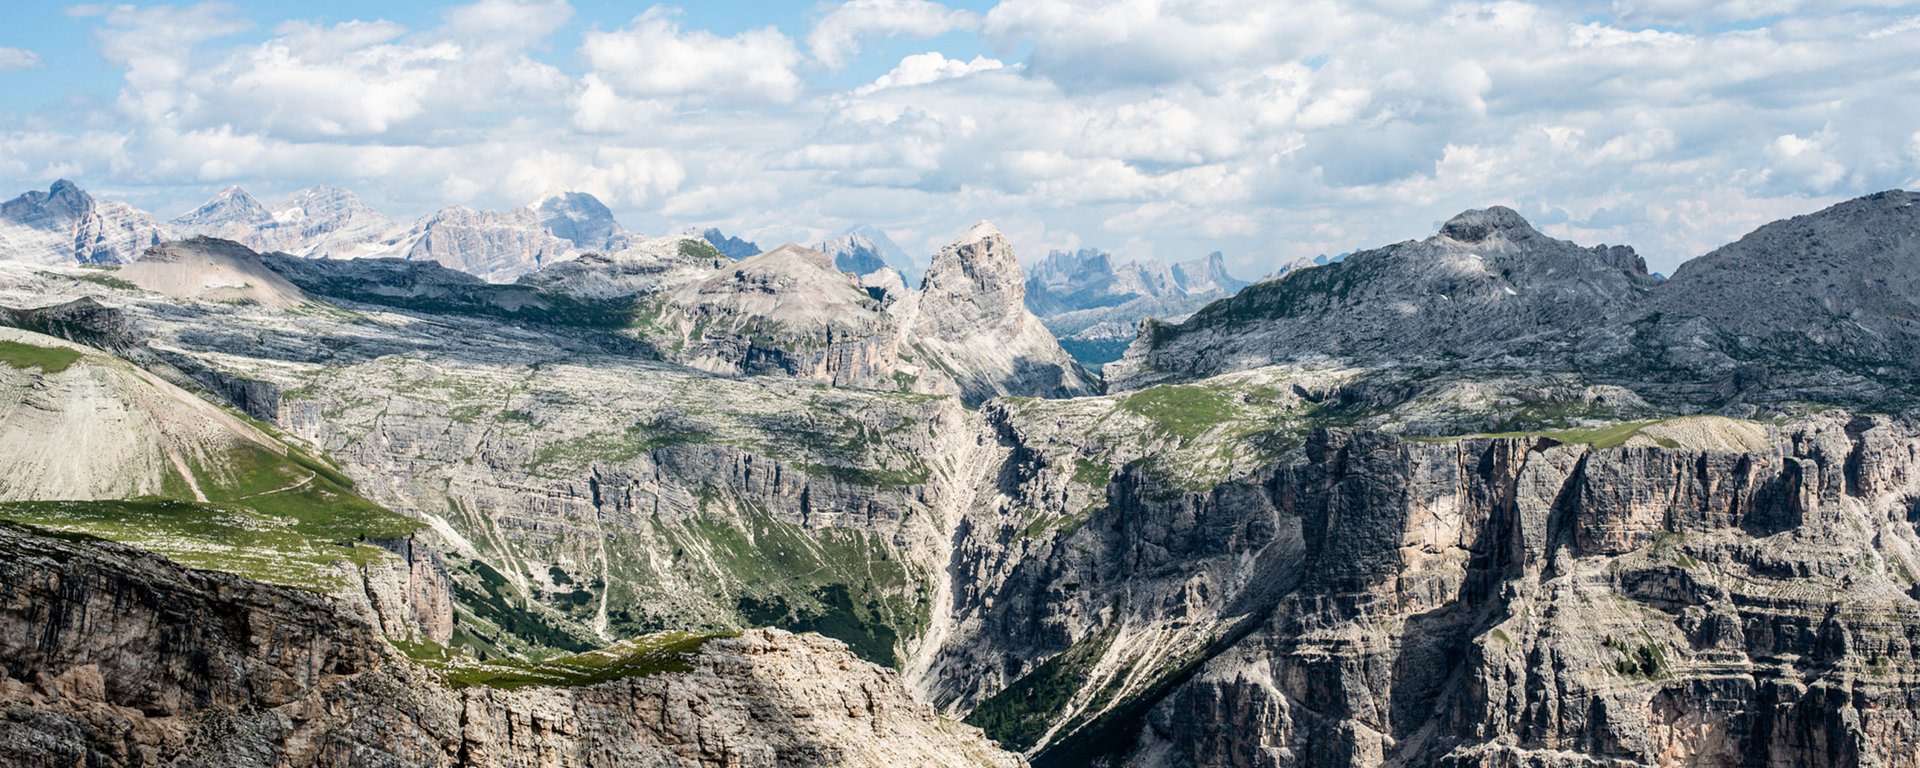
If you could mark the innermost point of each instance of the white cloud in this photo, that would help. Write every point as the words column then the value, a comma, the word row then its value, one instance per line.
column 837, row 36
column 1268, row 131
column 1804, row 163
column 930, row 67
column 653, row 57
column 17, row 60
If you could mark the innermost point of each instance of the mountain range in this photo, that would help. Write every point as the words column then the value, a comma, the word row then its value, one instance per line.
column 1485, row 498
column 1094, row 304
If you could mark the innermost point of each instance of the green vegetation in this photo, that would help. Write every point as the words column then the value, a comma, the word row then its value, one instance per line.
column 1599, row 438
column 1643, row 660
column 915, row 474
column 49, row 360
column 1185, row 411
column 638, row 657
column 699, row 249
column 233, row 538
column 496, row 619
column 1042, row 525
column 848, row 585
column 280, row 519
column 1090, row 472
column 105, row 278
column 1020, row 714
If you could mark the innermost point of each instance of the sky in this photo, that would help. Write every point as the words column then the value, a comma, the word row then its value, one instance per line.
column 1269, row 131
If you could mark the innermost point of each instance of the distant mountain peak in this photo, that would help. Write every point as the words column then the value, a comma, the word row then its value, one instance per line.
column 730, row 247
column 66, row 225
column 581, row 219
column 231, row 206
column 865, row 249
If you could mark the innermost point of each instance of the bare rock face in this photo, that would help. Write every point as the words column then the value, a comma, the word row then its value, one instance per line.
column 110, row 657
column 972, row 323
column 1817, row 307
column 230, row 215
column 1469, row 602
column 317, row 222
column 1486, row 286
column 788, row 312
column 492, row 245
column 866, row 249
column 65, row 225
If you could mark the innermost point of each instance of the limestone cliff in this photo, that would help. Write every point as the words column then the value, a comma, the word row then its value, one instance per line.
column 111, row 657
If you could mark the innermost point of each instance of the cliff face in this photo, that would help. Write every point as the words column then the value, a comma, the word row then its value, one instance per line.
column 111, row 657
column 971, row 322
column 1469, row 602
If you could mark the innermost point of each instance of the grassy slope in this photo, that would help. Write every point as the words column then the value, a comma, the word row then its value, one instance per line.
column 279, row 517
column 637, row 657
column 49, row 360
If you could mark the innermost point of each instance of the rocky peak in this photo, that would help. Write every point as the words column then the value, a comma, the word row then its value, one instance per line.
column 854, row 253
column 730, row 247
column 1482, row 224
column 787, row 257
column 230, row 208
column 974, row 320
column 65, row 224
column 323, row 200
column 66, row 195
column 495, row 245
column 861, row 246
column 1206, row 274
column 978, row 263
column 1063, row 267
column 581, row 219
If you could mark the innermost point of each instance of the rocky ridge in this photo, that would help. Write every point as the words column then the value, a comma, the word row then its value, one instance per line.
column 65, row 225
column 1489, row 295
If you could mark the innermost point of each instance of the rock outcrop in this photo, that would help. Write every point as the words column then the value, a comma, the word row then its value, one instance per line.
column 971, row 322
column 111, row 657
column 1469, row 602
column 729, row 246
column 496, row 246
column 1094, row 305
column 1486, row 287
column 581, row 219
column 785, row 312
column 65, row 225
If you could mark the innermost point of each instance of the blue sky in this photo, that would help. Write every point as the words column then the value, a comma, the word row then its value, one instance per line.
column 1269, row 131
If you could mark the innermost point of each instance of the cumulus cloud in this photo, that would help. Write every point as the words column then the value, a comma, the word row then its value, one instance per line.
column 1268, row 131
column 654, row 57
column 930, row 67
column 17, row 59
column 838, row 34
